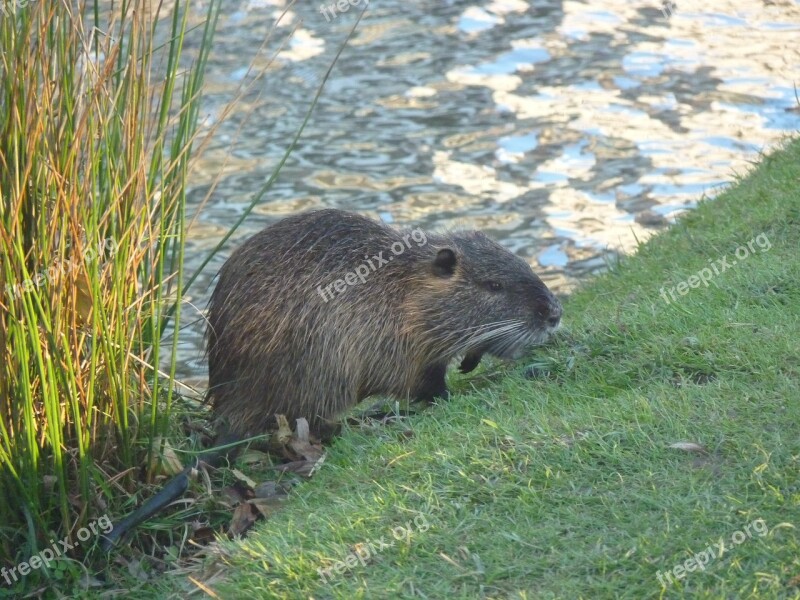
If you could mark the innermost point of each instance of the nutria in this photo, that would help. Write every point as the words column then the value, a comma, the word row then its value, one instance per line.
column 322, row 309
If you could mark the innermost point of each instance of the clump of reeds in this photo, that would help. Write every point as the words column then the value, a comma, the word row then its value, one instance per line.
column 97, row 120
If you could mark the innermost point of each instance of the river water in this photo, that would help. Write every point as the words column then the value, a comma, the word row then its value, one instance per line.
column 565, row 130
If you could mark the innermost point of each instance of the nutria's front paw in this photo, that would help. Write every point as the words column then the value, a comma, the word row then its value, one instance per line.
column 471, row 360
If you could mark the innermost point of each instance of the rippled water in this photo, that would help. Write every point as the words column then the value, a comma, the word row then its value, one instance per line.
column 566, row 130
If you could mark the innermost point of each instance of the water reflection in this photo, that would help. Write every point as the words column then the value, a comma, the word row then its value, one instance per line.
column 566, row 129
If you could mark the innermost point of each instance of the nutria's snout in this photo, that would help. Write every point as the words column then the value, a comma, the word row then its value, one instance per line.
column 553, row 314
column 546, row 313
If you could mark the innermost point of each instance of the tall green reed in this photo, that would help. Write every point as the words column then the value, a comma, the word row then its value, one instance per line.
column 98, row 114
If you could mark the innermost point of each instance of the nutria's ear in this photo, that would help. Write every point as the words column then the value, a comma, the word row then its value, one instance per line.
column 444, row 265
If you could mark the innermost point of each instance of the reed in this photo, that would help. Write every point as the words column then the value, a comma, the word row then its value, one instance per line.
column 98, row 117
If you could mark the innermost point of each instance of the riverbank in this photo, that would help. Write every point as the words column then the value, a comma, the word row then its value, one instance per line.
column 652, row 451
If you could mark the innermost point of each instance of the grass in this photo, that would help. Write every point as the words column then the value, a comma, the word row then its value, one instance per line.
column 567, row 485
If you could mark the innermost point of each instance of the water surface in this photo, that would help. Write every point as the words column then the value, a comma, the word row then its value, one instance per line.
column 565, row 130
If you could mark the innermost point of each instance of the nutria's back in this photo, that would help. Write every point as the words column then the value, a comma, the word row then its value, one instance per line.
column 322, row 309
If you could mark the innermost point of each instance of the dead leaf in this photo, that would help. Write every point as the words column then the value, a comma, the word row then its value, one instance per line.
column 242, row 477
column 251, row 457
column 689, row 447
column 203, row 587
column 295, row 446
column 306, row 450
column 363, row 552
column 166, row 463
column 272, row 489
column 243, row 518
column 284, row 432
column 233, row 495
column 203, row 535
column 267, row 506
column 302, row 431
column 794, row 581
column 301, row 467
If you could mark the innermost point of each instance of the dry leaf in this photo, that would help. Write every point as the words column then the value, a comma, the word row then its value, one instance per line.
column 689, row 447
column 302, row 431
column 232, row 496
column 243, row 518
column 301, row 467
column 251, row 457
column 242, row 477
column 284, row 432
column 83, row 304
column 272, row 489
column 794, row 581
column 306, row 450
column 203, row 535
column 167, row 463
column 266, row 506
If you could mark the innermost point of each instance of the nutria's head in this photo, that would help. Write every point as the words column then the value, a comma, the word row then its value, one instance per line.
column 493, row 301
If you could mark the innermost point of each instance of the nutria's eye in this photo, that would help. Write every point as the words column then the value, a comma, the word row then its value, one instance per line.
column 494, row 286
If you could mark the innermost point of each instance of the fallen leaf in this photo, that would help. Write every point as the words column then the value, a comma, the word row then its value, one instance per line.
column 301, row 467
column 689, row 447
column 242, row 477
column 272, row 489
column 306, row 450
column 251, row 457
column 243, row 518
column 302, row 430
column 266, row 506
column 284, row 432
column 233, row 495
column 203, row 535
column 794, row 581
column 166, row 463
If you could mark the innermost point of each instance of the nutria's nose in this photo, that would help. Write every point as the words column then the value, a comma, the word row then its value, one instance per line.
column 554, row 313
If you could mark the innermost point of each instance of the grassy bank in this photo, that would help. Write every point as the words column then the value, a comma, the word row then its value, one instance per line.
column 653, row 432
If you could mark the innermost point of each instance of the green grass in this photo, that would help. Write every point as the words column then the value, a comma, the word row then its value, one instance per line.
column 566, row 486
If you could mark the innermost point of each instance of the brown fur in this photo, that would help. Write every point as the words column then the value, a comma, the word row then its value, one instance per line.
column 276, row 347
